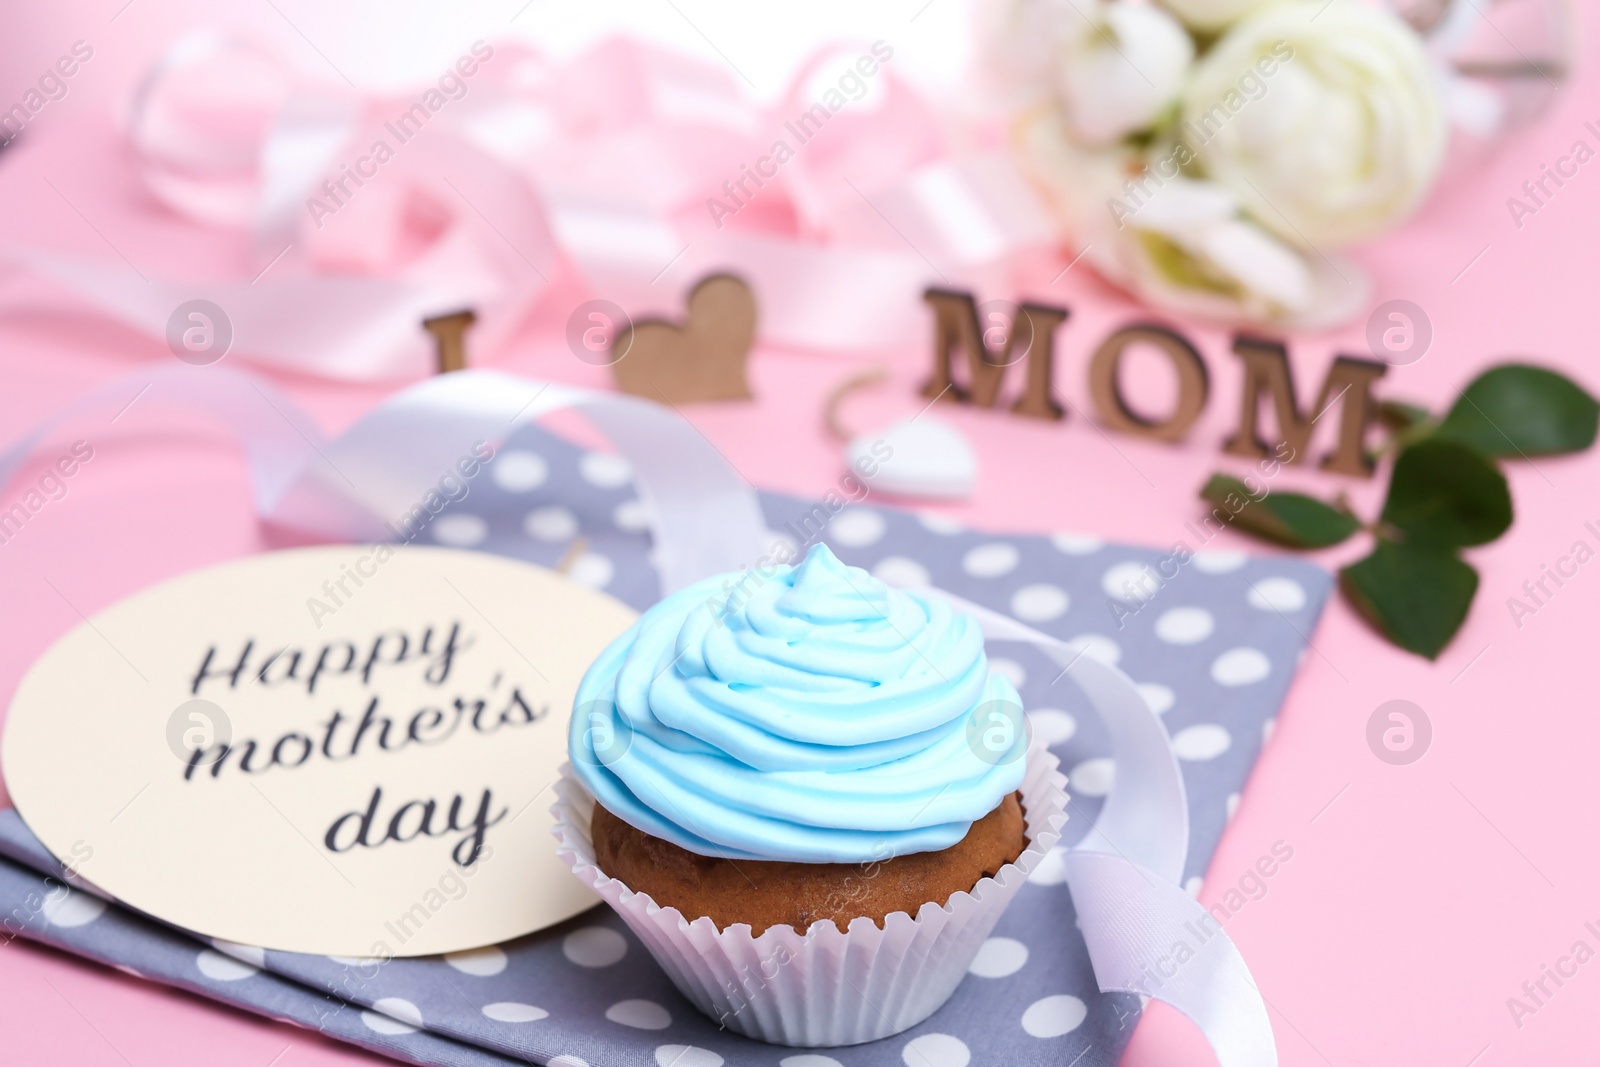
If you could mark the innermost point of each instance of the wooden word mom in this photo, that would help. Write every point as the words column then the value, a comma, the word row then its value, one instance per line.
column 1031, row 342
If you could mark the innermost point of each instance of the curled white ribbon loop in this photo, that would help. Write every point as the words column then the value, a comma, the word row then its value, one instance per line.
column 279, row 438
column 704, row 519
column 1124, row 874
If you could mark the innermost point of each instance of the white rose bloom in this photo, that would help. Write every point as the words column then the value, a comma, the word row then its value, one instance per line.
column 1121, row 67
column 1211, row 15
column 1188, row 246
column 1078, row 181
column 1181, row 244
column 1326, row 122
column 1021, row 42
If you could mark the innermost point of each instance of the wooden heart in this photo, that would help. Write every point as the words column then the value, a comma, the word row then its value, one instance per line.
column 704, row 359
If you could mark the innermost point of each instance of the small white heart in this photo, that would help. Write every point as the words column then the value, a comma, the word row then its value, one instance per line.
column 920, row 457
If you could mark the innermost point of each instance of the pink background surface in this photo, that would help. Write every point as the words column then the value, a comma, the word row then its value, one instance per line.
column 1419, row 898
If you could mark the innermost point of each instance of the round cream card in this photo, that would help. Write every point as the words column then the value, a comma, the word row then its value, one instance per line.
column 343, row 750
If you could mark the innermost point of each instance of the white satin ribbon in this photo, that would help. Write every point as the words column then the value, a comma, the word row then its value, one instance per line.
column 1124, row 874
column 705, row 521
column 364, row 323
column 280, row 440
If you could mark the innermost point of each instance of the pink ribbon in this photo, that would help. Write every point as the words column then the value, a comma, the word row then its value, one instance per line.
column 626, row 173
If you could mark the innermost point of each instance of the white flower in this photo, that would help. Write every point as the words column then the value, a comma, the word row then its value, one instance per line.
column 1183, row 244
column 1210, row 15
column 1078, row 181
column 1121, row 67
column 1112, row 68
column 1189, row 236
column 1325, row 122
column 1021, row 42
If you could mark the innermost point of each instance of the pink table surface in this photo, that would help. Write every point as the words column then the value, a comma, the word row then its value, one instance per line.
column 1419, row 898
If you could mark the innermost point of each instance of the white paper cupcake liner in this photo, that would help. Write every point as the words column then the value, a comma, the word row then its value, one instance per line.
column 825, row 987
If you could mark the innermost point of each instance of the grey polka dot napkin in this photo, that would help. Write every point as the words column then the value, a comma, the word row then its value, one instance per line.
column 1211, row 639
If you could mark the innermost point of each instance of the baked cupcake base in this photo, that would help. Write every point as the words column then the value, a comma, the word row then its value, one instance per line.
column 764, row 894
column 826, row 986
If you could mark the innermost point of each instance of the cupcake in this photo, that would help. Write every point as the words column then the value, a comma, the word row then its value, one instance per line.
column 809, row 796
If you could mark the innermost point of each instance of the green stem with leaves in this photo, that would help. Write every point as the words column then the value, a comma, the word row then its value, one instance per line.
column 1446, row 493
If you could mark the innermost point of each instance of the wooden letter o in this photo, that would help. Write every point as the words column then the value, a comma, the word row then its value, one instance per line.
column 1193, row 383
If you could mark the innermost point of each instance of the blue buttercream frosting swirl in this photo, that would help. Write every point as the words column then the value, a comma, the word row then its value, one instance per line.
column 816, row 715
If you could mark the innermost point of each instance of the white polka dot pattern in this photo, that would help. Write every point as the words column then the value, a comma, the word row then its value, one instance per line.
column 393, row 1015
column 1040, row 603
column 594, row 946
column 1277, row 594
column 519, row 471
column 902, row 573
column 1131, row 582
column 686, row 1056
column 999, row 957
column 631, row 516
column 1009, row 669
column 1204, row 741
column 1075, row 544
column 942, row 525
column 1092, row 777
column 1158, row 696
column 71, row 907
column 936, row 1050
column 592, row 569
column 1052, row 868
column 251, row 954
column 460, row 530
column 855, row 527
column 510, row 1011
column 1219, row 562
column 554, row 523
column 1185, row 626
column 1054, row 1016
column 480, row 962
column 991, row 560
column 1096, row 646
column 605, row 470
column 220, row 968
column 1240, row 666
column 639, row 1014
column 1052, row 725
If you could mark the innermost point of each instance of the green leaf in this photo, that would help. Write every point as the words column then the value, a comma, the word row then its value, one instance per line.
column 1519, row 410
column 1286, row 518
column 1416, row 596
column 1448, row 494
